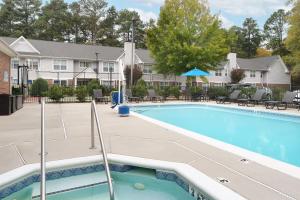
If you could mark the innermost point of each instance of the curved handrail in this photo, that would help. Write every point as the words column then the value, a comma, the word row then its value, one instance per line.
column 94, row 115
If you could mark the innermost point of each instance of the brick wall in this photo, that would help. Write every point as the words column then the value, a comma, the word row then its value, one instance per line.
column 4, row 73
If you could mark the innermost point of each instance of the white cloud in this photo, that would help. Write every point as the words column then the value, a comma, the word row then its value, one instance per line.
column 254, row 8
column 145, row 16
column 151, row 2
column 226, row 23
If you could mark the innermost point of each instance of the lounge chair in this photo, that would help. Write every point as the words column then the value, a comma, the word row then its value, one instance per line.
column 232, row 97
column 98, row 96
column 131, row 98
column 153, row 96
column 288, row 98
column 256, row 98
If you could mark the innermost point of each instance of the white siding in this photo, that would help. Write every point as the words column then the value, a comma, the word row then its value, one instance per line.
column 278, row 75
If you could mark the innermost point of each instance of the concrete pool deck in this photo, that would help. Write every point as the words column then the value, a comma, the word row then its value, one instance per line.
column 68, row 136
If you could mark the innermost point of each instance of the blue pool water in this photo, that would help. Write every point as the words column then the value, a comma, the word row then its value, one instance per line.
column 276, row 136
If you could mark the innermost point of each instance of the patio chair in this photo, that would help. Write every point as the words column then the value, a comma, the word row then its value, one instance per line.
column 153, row 96
column 232, row 97
column 98, row 96
column 131, row 98
column 254, row 100
column 288, row 98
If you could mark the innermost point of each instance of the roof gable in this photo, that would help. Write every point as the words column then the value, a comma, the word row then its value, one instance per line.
column 23, row 46
column 4, row 47
column 259, row 64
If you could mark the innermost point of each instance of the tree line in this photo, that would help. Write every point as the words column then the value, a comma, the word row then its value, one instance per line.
column 83, row 21
column 185, row 35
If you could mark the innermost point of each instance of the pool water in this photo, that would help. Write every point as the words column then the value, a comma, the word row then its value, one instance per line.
column 273, row 135
column 124, row 188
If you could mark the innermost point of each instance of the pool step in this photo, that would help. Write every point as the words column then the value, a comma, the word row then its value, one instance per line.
column 71, row 189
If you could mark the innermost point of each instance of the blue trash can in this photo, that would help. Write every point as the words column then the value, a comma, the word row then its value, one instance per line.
column 115, row 97
column 124, row 111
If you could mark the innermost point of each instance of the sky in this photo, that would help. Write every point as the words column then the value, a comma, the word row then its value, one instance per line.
column 231, row 12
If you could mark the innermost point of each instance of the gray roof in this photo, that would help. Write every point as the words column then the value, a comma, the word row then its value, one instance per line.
column 259, row 64
column 145, row 56
column 71, row 50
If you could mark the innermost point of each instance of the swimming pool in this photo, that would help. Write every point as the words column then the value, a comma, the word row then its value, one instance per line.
column 274, row 135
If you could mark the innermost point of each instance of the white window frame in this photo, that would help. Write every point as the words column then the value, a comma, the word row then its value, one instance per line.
column 59, row 64
column 84, row 64
column 218, row 72
column 13, row 63
column 60, row 81
column 33, row 63
column 252, row 73
column 108, row 67
column 147, row 69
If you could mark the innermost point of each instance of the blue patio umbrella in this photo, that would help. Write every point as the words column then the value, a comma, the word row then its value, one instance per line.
column 195, row 72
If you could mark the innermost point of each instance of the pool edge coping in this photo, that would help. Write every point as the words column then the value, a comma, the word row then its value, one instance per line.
column 263, row 160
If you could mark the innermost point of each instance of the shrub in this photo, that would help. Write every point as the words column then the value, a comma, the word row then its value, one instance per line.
column 164, row 92
column 140, row 89
column 81, row 93
column 106, row 90
column 16, row 90
column 93, row 85
column 55, row 93
column 214, row 92
column 195, row 91
column 278, row 93
column 237, row 75
column 175, row 91
column 137, row 73
column 68, row 91
column 39, row 87
column 248, row 92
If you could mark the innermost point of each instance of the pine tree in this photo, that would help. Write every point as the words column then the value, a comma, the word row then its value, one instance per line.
column 274, row 31
column 92, row 11
column 53, row 24
column 108, row 28
column 27, row 12
column 7, row 18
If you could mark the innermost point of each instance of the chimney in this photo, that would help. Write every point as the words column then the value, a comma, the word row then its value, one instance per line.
column 128, row 53
column 232, row 60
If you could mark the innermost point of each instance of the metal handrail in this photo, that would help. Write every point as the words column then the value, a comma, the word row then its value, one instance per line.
column 94, row 115
column 43, row 171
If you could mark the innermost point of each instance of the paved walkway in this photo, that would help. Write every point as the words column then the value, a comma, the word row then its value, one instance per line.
column 68, row 136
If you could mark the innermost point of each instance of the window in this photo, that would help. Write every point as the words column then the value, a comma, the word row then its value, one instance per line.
column 252, row 74
column 60, row 82
column 108, row 67
column 147, row 69
column 33, row 64
column 84, row 64
column 60, row 65
column 218, row 72
column 15, row 63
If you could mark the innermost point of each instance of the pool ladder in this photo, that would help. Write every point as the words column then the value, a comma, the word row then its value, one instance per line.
column 94, row 115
